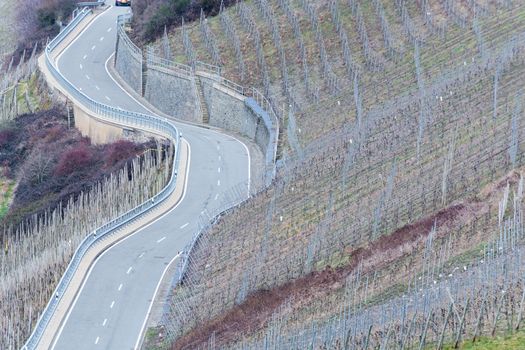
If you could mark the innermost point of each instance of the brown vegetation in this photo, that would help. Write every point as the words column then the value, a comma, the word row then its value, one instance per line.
column 53, row 162
column 255, row 312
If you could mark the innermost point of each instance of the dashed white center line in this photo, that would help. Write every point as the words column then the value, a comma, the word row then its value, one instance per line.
column 160, row 240
column 120, row 287
column 101, row 38
column 218, row 182
column 129, row 270
column 96, row 340
column 87, row 77
column 104, row 323
column 141, row 255
column 219, row 170
column 112, row 304
column 218, row 147
column 216, row 196
column 96, row 87
column 93, row 47
column 107, row 98
column 109, row 29
column 85, row 56
column 186, row 224
column 81, row 66
column 220, row 158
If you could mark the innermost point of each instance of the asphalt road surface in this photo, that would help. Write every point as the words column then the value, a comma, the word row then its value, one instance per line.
column 110, row 310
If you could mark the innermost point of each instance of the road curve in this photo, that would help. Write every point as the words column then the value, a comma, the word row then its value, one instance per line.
column 111, row 307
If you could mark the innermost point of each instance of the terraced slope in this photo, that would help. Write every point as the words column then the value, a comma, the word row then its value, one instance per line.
column 402, row 119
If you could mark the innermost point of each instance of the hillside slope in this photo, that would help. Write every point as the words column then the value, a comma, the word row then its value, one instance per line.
column 401, row 119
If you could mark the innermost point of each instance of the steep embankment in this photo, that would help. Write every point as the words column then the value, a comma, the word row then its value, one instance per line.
column 397, row 111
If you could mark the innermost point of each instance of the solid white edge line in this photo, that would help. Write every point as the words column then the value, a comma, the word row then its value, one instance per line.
column 137, row 343
column 64, row 322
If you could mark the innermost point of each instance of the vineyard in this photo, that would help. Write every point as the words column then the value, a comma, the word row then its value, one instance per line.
column 389, row 223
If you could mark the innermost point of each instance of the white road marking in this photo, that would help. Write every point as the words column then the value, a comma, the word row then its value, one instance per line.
column 186, row 224
column 220, row 158
column 219, row 170
column 93, row 47
column 151, row 301
column 96, row 340
column 112, row 304
column 141, row 255
column 101, row 38
column 107, row 98
column 96, row 87
column 104, row 323
column 87, row 77
column 218, row 148
column 81, row 66
column 218, row 182
column 160, row 240
column 129, row 270
column 109, row 29
column 80, row 89
column 85, row 56
column 120, row 287
column 216, row 196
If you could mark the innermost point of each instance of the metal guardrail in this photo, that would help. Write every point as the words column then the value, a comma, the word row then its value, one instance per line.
column 118, row 116
column 90, row 3
column 153, row 60
column 206, row 67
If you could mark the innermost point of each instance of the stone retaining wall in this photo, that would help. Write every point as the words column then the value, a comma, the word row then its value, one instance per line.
column 172, row 93
column 128, row 65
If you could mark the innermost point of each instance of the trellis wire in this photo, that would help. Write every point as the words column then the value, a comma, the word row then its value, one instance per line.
column 209, row 39
column 231, row 33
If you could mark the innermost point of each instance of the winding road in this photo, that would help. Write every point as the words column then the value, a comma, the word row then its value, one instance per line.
column 110, row 310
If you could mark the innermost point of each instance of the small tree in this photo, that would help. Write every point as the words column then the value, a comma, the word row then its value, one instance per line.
column 76, row 159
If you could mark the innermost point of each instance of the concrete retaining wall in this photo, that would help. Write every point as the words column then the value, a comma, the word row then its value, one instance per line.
column 227, row 109
column 129, row 65
column 98, row 132
column 172, row 93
